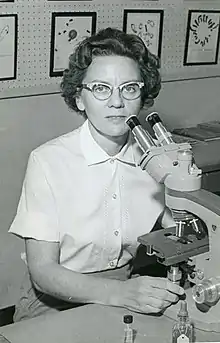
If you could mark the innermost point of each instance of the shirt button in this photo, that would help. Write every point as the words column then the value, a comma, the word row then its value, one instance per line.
column 112, row 160
column 114, row 196
column 116, row 232
column 112, row 264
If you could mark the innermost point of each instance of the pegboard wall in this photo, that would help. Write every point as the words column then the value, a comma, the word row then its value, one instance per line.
column 34, row 35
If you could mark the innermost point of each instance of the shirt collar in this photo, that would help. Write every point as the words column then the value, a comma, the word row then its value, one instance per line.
column 94, row 154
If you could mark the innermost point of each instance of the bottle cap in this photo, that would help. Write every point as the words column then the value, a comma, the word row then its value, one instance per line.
column 128, row 319
column 183, row 309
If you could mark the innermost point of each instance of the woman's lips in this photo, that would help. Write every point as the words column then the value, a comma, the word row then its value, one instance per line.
column 116, row 117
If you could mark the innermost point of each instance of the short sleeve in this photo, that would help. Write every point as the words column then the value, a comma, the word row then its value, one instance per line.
column 36, row 213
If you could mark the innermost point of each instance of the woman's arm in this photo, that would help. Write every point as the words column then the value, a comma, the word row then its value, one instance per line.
column 49, row 277
column 142, row 294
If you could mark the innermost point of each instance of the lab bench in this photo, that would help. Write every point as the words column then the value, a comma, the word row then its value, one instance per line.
column 95, row 324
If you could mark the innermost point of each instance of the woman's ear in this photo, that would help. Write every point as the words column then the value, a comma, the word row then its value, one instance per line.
column 79, row 103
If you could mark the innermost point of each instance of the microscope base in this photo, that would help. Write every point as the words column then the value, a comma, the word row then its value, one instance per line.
column 205, row 321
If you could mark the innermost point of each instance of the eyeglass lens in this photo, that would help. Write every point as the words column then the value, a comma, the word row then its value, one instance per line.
column 129, row 91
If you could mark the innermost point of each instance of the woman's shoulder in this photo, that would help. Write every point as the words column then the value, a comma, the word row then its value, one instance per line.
column 59, row 147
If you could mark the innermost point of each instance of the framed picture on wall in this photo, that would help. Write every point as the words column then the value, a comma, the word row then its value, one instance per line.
column 67, row 30
column 8, row 46
column 147, row 24
column 202, row 37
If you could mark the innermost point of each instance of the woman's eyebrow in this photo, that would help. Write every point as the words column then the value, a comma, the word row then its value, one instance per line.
column 99, row 81
column 108, row 83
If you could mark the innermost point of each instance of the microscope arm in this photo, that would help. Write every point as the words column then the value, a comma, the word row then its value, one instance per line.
column 202, row 203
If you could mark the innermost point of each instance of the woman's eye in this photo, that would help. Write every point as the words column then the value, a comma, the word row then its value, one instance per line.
column 101, row 88
column 130, row 88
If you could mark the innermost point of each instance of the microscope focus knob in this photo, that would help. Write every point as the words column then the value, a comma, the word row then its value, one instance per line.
column 208, row 291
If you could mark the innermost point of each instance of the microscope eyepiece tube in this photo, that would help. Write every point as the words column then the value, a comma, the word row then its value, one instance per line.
column 132, row 122
column 143, row 138
column 163, row 136
column 153, row 118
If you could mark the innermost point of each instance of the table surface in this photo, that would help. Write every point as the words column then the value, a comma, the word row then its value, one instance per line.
column 95, row 323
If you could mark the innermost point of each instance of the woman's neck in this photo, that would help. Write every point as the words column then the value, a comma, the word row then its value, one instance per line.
column 111, row 145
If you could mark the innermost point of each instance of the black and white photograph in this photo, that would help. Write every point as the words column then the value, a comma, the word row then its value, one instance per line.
column 109, row 171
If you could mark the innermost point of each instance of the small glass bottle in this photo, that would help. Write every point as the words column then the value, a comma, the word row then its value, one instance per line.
column 182, row 331
column 128, row 331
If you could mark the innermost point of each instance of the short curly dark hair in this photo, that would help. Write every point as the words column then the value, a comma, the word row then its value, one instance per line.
column 108, row 42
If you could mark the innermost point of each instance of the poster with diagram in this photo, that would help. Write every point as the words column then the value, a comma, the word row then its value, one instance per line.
column 67, row 30
column 148, row 25
column 8, row 46
column 202, row 37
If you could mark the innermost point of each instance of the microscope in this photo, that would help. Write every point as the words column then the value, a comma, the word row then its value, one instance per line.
column 191, row 249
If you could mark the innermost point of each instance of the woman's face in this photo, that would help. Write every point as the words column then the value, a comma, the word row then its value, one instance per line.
column 108, row 116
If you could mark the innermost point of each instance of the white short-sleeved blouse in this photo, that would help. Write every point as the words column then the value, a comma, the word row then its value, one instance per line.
column 93, row 204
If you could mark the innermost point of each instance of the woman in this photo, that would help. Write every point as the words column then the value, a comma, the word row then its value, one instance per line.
column 84, row 200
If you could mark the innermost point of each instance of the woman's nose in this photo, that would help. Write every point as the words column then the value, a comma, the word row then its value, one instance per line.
column 116, row 99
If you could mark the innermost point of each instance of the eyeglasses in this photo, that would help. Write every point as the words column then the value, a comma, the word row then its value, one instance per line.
column 130, row 90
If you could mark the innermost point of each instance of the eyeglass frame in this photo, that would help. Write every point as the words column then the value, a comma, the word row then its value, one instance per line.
column 89, row 86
